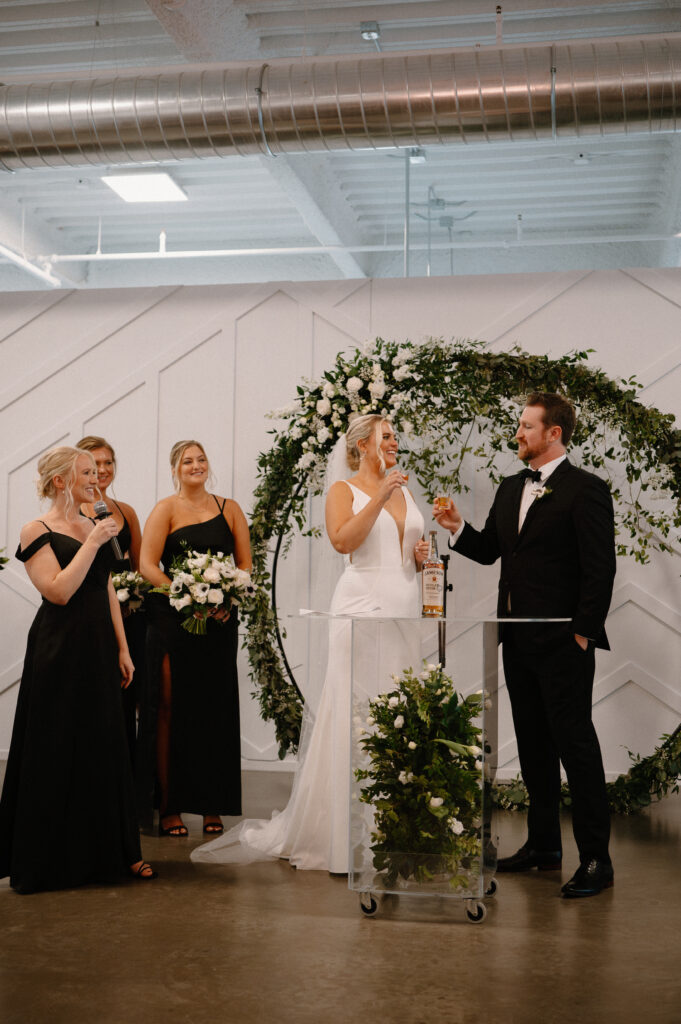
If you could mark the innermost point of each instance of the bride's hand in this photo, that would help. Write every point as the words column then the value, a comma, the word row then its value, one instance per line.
column 420, row 553
column 391, row 482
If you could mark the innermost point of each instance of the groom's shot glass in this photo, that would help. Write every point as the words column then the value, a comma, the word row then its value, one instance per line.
column 441, row 503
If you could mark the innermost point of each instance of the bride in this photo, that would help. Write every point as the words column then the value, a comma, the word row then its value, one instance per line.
column 373, row 520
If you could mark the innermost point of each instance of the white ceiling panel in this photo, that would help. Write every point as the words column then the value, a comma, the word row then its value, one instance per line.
column 603, row 201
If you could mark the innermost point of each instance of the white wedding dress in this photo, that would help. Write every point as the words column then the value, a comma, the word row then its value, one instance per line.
column 379, row 580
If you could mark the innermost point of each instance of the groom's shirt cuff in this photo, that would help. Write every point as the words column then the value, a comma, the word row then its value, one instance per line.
column 452, row 539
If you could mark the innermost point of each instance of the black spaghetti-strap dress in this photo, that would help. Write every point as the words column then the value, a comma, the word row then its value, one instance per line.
column 204, row 763
column 67, row 813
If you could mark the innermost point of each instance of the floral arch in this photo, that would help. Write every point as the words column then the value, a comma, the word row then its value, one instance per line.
column 457, row 403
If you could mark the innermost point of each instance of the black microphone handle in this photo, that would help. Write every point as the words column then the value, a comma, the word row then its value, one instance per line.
column 102, row 512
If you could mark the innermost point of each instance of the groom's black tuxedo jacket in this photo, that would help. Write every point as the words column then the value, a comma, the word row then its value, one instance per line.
column 562, row 563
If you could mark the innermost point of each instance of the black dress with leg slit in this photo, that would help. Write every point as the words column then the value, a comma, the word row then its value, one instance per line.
column 204, row 761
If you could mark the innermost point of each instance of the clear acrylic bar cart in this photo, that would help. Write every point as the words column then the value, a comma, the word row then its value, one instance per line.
column 421, row 818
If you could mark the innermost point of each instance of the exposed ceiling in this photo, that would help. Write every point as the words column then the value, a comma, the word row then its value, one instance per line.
column 596, row 201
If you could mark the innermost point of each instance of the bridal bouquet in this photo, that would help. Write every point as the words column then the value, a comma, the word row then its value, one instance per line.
column 130, row 589
column 423, row 779
column 202, row 584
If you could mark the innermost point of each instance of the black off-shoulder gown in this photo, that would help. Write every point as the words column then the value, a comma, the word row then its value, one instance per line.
column 67, row 813
column 204, row 769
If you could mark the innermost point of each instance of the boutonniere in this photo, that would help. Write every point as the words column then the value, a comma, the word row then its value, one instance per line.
column 540, row 491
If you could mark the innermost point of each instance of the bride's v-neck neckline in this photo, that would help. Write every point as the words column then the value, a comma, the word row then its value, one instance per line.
column 400, row 534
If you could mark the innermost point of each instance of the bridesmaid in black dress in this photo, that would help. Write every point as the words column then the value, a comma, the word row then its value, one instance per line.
column 189, row 756
column 129, row 539
column 67, row 814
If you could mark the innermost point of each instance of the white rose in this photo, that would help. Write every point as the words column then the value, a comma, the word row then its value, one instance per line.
column 475, row 751
column 323, row 434
column 211, row 574
column 178, row 603
column 371, row 721
column 200, row 561
column 377, row 388
column 456, row 826
column 402, row 372
column 399, row 722
column 353, row 385
column 436, row 801
column 328, row 390
column 122, row 595
column 215, row 596
column 393, row 702
column 324, row 407
column 412, row 745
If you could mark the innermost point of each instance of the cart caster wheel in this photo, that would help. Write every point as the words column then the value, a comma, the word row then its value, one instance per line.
column 491, row 888
column 368, row 905
column 477, row 913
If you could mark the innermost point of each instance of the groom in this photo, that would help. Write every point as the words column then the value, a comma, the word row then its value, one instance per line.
column 552, row 526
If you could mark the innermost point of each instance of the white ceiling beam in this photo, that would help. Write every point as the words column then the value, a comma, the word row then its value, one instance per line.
column 21, row 240
column 205, row 30
column 307, row 183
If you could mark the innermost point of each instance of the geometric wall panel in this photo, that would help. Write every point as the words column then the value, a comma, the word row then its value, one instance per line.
column 147, row 366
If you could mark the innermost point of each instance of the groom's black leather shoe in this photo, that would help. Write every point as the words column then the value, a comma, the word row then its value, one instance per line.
column 526, row 858
column 590, row 878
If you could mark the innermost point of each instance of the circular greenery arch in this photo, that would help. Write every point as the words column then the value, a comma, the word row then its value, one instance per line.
column 456, row 406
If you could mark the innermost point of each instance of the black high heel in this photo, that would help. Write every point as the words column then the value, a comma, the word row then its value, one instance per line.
column 139, row 872
column 176, row 831
column 213, row 828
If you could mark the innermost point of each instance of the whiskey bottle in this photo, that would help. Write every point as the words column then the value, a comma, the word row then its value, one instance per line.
column 433, row 581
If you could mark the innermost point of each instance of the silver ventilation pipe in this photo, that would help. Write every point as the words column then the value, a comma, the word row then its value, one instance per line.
column 414, row 100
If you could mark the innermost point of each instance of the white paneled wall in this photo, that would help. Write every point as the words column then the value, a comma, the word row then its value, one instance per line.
column 144, row 367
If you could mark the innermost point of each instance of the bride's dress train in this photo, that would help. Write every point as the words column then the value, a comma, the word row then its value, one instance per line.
column 380, row 580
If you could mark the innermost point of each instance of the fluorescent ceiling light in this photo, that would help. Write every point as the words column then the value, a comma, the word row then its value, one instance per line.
column 145, row 188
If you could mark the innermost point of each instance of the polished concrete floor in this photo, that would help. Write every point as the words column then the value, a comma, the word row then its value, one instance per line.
column 265, row 943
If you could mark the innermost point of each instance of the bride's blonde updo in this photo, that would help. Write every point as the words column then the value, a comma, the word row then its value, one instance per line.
column 176, row 453
column 360, row 430
column 59, row 461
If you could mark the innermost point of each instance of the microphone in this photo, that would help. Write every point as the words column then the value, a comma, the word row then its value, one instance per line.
column 102, row 512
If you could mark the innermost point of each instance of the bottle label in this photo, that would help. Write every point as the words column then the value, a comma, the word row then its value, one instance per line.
column 433, row 588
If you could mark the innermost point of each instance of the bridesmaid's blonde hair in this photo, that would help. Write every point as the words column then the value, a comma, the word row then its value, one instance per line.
column 92, row 442
column 176, row 453
column 360, row 430
column 59, row 461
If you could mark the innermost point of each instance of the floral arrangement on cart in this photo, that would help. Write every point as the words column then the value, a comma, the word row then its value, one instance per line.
column 423, row 781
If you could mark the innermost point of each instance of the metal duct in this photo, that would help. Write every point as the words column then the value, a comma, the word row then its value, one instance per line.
column 492, row 94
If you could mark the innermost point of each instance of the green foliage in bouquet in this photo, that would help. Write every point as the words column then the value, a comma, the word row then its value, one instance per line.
column 3, row 559
column 423, row 780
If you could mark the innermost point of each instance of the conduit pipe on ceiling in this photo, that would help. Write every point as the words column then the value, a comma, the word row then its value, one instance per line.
column 503, row 93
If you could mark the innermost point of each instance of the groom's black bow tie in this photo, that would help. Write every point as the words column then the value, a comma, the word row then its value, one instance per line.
column 532, row 474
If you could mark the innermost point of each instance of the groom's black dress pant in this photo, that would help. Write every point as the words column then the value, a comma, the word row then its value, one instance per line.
column 550, row 688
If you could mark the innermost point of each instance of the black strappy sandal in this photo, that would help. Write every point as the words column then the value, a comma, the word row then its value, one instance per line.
column 140, row 872
column 177, row 831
